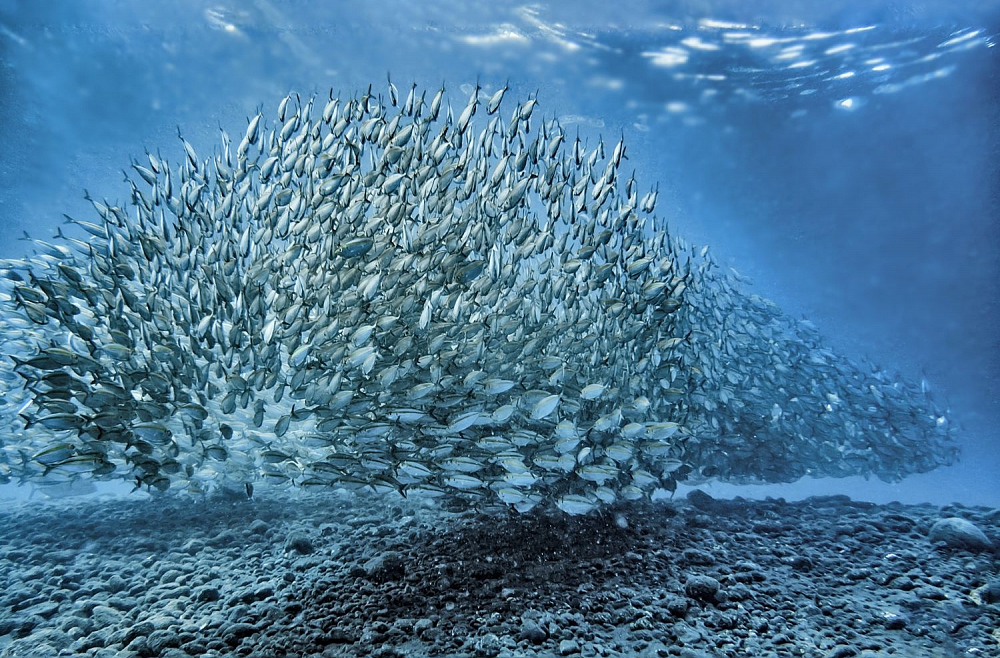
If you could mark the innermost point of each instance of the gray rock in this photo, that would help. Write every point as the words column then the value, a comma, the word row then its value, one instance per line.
column 533, row 633
column 52, row 637
column 488, row 645
column 103, row 616
column 895, row 621
column 384, row 568
column 174, row 653
column 259, row 527
column 567, row 647
column 956, row 532
column 299, row 543
column 162, row 639
column 44, row 610
column 141, row 629
column 238, row 631
column 110, row 653
column 991, row 593
column 702, row 588
column 116, row 584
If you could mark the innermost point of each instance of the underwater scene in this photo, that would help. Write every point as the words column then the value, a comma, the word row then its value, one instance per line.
column 486, row 329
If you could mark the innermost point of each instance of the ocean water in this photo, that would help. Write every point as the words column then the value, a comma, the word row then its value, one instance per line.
column 843, row 157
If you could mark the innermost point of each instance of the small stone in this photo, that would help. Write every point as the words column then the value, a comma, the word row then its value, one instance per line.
column 488, row 645
column 991, row 592
column 340, row 636
column 206, row 593
column 142, row 629
column 567, row 647
column 44, row 610
column 533, row 633
column 162, row 639
column 956, row 532
column 842, row 651
column 702, row 588
column 175, row 653
column 116, row 584
column 676, row 605
column 385, row 568
column 259, row 527
column 299, row 543
column 698, row 557
column 238, row 631
column 895, row 621
column 800, row 563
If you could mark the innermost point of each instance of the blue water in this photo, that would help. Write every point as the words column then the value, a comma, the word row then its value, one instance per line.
column 843, row 157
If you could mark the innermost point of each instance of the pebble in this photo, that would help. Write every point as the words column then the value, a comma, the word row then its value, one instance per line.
column 207, row 593
column 162, row 639
column 895, row 621
column 582, row 588
column 956, row 532
column 238, row 630
column 568, row 647
column 385, row 568
column 299, row 543
column 991, row 592
column 533, row 633
column 702, row 588
column 259, row 527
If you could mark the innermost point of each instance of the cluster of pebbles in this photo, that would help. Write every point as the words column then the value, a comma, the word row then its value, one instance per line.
column 351, row 575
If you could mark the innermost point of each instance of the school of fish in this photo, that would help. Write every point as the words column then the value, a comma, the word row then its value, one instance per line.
column 379, row 292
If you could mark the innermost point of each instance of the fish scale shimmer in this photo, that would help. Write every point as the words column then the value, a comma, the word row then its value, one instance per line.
column 375, row 291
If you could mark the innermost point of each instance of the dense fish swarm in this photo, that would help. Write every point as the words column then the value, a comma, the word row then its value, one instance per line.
column 378, row 292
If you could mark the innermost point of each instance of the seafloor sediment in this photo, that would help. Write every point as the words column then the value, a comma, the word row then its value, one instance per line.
column 345, row 575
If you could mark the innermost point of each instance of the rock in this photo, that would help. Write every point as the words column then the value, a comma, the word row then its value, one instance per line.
column 175, row 653
column 533, row 633
column 340, row 636
column 103, row 616
column 568, row 647
column 676, row 605
column 702, row 588
column 385, row 568
column 237, row 631
column 702, row 500
column 299, row 543
column 142, row 629
column 162, row 639
column 842, row 651
column 800, row 563
column 488, row 645
column 9, row 624
column 116, row 584
column 895, row 621
column 957, row 532
column 206, row 593
column 193, row 546
column 259, row 527
column 698, row 557
column 44, row 610
column 991, row 592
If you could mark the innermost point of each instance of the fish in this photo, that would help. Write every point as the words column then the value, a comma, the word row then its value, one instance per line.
column 385, row 294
